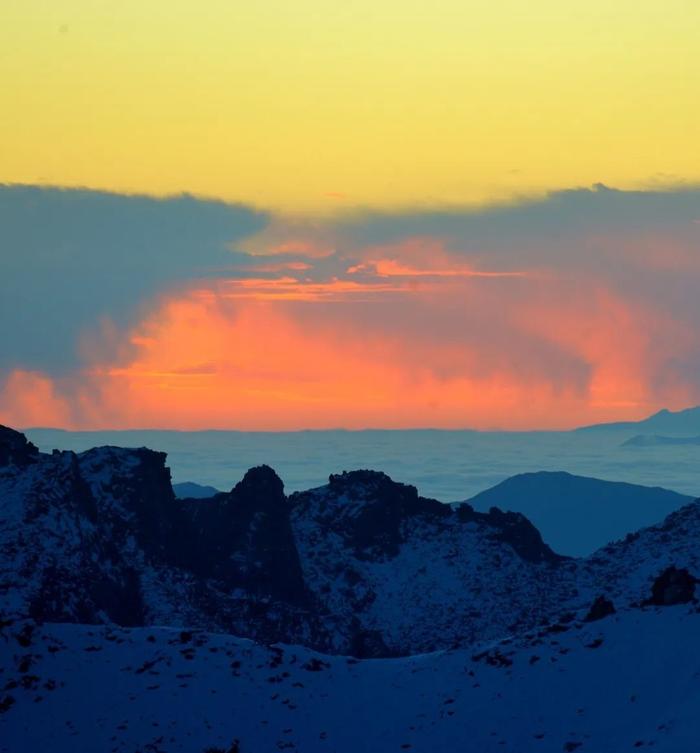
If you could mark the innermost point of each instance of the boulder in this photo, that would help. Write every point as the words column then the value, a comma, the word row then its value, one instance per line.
column 673, row 586
column 600, row 608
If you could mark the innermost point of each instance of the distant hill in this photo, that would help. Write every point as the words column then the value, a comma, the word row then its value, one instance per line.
column 674, row 422
column 657, row 440
column 577, row 514
column 190, row 490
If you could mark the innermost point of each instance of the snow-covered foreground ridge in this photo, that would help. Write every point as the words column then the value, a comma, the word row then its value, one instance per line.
column 630, row 681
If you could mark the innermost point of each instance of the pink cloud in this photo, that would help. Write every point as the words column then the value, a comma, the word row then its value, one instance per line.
column 253, row 354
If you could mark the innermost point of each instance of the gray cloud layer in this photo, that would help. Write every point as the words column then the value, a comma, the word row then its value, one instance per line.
column 70, row 257
column 559, row 215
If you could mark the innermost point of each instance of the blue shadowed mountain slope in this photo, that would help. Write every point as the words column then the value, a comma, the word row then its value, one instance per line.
column 577, row 514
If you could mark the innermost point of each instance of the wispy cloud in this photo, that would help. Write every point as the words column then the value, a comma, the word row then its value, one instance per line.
column 395, row 268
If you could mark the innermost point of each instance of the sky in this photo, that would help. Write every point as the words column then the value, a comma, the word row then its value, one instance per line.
column 278, row 215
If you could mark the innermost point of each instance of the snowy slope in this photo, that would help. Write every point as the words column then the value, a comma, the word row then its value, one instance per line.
column 624, row 570
column 627, row 682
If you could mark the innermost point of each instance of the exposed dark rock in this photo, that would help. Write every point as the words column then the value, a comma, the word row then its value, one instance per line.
column 368, row 644
column 374, row 529
column 245, row 539
column 16, row 449
column 600, row 608
column 235, row 747
column 315, row 665
column 6, row 703
column 260, row 482
column 517, row 531
column 141, row 502
column 511, row 528
column 466, row 513
column 494, row 658
column 673, row 586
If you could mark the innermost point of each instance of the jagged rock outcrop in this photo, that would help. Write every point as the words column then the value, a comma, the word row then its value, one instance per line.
column 244, row 538
column 99, row 536
column 16, row 449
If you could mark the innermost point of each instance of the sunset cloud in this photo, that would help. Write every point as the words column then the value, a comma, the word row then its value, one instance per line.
column 577, row 308
column 265, row 369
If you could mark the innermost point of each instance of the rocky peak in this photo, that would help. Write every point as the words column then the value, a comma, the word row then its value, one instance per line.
column 376, row 488
column 243, row 538
column 16, row 449
column 259, row 483
column 133, row 493
column 367, row 509
column 366, row 484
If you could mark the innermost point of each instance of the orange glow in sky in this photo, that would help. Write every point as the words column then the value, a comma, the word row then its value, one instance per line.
column 279, row 354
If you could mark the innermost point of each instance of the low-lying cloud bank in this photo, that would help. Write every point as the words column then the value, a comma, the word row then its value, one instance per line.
column 129, row 311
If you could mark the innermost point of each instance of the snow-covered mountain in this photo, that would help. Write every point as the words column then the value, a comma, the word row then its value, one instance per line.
column 440, row 626
column 362, row 565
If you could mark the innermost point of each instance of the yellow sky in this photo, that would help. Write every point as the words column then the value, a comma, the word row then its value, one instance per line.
column 312, row 105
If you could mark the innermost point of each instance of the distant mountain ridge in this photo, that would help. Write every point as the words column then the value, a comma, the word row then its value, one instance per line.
column 190, row 490
column 577, row 514
column 686, row 421
column 658, row 440
column 444, row 465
